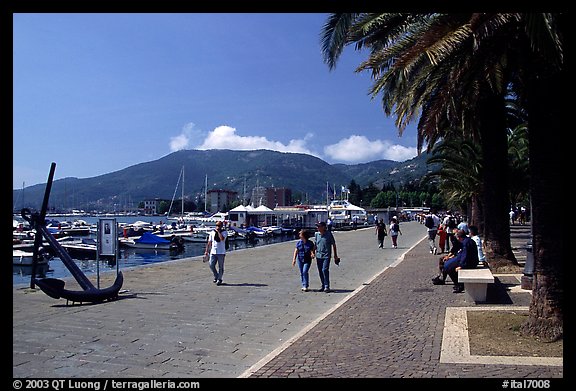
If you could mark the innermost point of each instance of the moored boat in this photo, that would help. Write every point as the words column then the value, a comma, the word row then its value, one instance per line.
column 80, row 248
column 25, row 258
column 342, row 212
column 149, row 240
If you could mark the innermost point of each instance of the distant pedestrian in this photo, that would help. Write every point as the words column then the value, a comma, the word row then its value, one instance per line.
column 324, row 244
column 474, row 236
column 450, row 225
column 303, row 254
column 381, row 233
column 431, row 222
column 329, row 224
column 463, row 225
column 512, row 215
column 216, row 247
column 522, row 217
column 394, row 232
column 441, row 237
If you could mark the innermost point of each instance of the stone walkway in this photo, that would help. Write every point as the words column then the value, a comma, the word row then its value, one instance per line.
column 394, row 329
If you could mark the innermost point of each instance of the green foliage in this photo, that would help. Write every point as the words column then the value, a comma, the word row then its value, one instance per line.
column 416, row 197
column 163, row 207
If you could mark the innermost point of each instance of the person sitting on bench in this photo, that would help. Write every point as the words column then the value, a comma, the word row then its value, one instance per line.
column 467, row 258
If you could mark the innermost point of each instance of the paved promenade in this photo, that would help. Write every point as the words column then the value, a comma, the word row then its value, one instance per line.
column 383, row 319
column 396, row 328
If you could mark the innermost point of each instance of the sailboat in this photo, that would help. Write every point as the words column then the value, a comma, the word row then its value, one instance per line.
column 181, row 176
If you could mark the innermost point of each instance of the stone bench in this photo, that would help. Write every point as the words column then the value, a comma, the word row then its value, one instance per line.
column 476, row 282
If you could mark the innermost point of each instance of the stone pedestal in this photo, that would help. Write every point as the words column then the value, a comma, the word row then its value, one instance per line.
column 526, row 282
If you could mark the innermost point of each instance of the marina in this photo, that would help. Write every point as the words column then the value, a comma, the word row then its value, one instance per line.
column 127, row 257
column 153, row 239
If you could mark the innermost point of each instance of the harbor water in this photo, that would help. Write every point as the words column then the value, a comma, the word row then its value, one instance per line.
column 130, row 257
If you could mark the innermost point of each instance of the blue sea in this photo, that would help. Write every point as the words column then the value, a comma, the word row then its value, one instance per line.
column 128, row 257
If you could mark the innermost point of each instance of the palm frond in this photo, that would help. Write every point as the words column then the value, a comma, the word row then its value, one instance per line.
column 542, row 32
column 334, row 36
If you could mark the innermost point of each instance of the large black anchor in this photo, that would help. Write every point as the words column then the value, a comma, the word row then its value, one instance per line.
column 54, row 287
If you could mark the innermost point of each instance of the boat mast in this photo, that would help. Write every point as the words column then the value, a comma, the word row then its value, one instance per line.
column 206, row 194
column 244, row 195
column 175, row 189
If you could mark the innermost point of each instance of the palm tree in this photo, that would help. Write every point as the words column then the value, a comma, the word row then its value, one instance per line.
column 544, row 84
column 518, row 151
column 459, row 175
column 441, row 67
column 453, row 70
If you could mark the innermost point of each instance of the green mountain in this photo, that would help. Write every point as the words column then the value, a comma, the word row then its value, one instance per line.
column 225, row 169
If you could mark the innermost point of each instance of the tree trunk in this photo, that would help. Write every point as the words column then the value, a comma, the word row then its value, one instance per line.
column 545, row 119
column 477, row 214
column 495, row 193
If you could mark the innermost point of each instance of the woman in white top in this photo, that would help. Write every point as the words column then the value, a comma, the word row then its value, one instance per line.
column 394, row 231
column 474, row 236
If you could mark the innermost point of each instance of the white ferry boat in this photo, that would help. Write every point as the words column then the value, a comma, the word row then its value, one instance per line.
column 199, row 220
column 342, row 212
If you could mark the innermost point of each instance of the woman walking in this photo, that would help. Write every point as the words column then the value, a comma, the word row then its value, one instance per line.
column 303, row 254
column 381, row 233
column 394, row 232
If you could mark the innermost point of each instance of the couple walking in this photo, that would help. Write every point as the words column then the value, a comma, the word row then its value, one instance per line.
column 321, row 248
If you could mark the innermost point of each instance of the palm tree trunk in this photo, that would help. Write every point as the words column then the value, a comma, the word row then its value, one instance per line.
column 495, row 196
column 545, row 119
column 477, row 215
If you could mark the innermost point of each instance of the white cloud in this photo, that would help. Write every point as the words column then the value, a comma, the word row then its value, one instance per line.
column 182, row 141
column 355, row 149
column 225, row 137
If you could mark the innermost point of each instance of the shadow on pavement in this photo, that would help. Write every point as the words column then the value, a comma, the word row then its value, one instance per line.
column 497, row 293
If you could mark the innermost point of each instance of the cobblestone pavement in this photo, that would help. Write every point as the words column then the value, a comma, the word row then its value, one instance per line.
column 394, row 329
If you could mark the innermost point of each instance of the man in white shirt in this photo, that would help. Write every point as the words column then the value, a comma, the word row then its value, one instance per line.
column 431, row 222
column 216, row 247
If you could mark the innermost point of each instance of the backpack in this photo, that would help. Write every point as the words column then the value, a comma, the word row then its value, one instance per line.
column 429, row 223
column 451, row 222
column 396, row 227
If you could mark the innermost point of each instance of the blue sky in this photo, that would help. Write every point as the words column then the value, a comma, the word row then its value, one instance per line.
column 97, row 93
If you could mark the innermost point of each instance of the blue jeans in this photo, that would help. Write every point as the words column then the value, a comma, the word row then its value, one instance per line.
column 304, row 268
column 324, row 271
column 450, row 269
column 431, row 238
column 220, row 259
